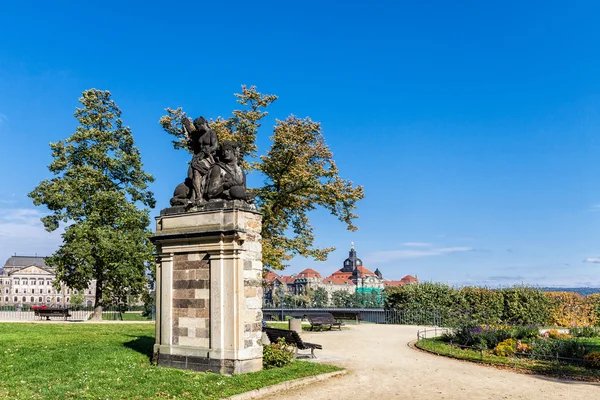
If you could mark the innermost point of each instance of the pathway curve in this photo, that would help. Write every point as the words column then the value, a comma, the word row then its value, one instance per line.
column 381, row 366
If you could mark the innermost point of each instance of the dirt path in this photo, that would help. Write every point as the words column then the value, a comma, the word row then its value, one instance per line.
column 381, row 366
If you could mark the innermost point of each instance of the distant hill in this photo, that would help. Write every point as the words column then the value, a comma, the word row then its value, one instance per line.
column 584, row 291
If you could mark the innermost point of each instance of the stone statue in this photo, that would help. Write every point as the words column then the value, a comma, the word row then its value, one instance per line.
column 226, row 179
column 202, row 141
column 212, row 176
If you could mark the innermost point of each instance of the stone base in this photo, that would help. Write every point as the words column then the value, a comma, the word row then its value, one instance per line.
column 209, row 206
column 202, row 364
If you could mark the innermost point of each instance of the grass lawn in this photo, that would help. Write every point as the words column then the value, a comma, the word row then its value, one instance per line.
column 96, row 361
column 542, row 366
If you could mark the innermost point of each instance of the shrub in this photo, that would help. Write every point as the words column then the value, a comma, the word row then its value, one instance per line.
column 570, row 348
column 506, row 348
column 585, row 331
column 555, row 334
column 525, row 331
column 277, row 355
column 525, row 305
column 522, row 347
column 592, row 359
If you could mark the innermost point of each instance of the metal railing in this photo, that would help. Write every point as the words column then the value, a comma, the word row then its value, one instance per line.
column 12, row 313
column 373, row 315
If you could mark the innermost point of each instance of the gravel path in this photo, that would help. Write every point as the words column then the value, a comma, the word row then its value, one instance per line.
column 381, row 366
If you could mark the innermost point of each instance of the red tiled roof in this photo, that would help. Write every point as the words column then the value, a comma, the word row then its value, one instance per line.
column 270, row 276
column 309, row 273
column 336, row 280
column 394, row 283
column 409, row 279
column 287, row 279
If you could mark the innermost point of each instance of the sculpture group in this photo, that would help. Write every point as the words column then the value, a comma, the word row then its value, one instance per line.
column 214, row 173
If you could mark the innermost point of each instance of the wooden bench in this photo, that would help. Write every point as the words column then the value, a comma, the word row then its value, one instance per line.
column 292, row 338
column 355, row 315
column 321, row 320
column 52, row 312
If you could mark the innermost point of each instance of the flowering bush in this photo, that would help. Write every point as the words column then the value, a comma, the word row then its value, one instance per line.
column 277, row 355
column 522, row 347
column 506, row 348
column 555, row 334
column 593, row 359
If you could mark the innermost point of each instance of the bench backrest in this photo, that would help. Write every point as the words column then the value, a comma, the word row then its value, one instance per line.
column 291, row 337
column 321, row 318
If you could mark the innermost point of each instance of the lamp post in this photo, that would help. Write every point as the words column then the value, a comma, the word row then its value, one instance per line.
column 281, row 297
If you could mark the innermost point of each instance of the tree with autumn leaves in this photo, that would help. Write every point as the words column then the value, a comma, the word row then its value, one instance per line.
column 299, row 173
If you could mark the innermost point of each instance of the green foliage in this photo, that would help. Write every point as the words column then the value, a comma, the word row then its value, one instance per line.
column 483, row 305
column 300, row 176
column 77, row 300
column 320, row 297
column 525, row 305
column 98, row 181
column 424, row 296
column 569, row 348
column 342, row 299
column 277, row 355
column 585, row 331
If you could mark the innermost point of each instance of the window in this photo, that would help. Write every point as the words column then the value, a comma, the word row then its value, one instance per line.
column 40, row 299
column 48, row 282
column 6, row 290
column 32, row 299
column 25, row 290
column 16, row 290
column 47, row 299
column 16, row 299
column 58, row 299
column 24, row 299
column 76, row 291
column 32, row 281
column 32, row 291
column 16, row 281
column 67, row 299
column 89, row 292
column 6, row 299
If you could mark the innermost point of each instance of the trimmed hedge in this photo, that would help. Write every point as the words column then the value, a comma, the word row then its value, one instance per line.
column 514, row 305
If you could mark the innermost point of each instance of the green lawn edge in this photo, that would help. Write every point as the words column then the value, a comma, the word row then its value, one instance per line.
column 112, row 361
column 550, row 368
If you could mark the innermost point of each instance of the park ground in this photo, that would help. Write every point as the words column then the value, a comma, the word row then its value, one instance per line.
column 378, row 358
column 381, row 365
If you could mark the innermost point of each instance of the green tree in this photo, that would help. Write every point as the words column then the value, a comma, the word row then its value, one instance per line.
column 77, row 300
column 320, row 297
column 98, row 183
column 300, row 176
column 341, row 298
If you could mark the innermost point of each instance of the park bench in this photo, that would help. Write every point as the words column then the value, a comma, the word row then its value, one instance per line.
column 321, row 320
column 52, row 312
column 292, row 338
column 355, row 315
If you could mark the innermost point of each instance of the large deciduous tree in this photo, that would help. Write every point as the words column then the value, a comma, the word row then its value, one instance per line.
column 98, row 184
column 299, row 170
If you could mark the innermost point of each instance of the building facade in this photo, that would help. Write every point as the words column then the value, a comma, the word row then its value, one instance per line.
column 28, row 281
column 353, row 277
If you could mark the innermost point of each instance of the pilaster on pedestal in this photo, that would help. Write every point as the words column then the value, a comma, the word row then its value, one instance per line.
column 209, row 291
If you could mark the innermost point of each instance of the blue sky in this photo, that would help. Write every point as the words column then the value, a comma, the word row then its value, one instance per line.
column 473, row 126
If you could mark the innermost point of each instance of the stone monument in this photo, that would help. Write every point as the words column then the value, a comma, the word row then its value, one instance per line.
column 209, row 264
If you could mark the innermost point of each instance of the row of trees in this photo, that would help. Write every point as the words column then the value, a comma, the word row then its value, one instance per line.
column 320, row 298
column 100, row 193
column 519, row 304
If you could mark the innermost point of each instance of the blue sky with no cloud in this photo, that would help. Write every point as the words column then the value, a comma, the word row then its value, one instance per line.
column 473, row 126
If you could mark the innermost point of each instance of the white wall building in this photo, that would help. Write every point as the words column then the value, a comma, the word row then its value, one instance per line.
column 27, row 280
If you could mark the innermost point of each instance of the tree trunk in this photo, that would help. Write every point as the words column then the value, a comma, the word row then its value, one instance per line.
column 98, row 306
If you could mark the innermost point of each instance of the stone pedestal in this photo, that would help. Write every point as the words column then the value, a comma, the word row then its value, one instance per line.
column 209, row 289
